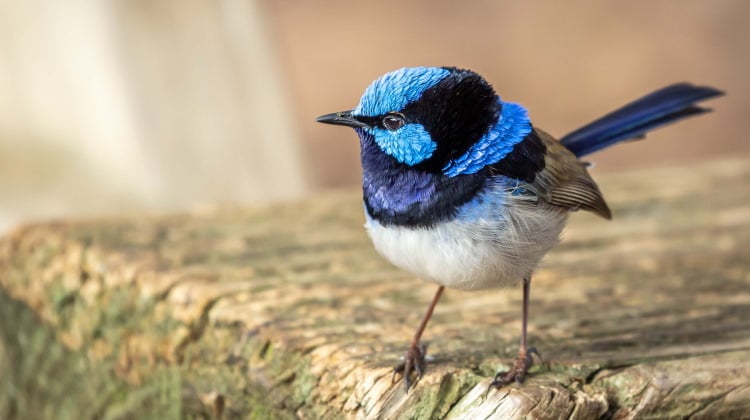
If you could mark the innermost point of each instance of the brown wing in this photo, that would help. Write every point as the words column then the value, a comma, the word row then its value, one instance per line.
column 565, row 182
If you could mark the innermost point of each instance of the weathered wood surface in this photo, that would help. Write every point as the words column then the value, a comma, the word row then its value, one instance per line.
column 288, row 312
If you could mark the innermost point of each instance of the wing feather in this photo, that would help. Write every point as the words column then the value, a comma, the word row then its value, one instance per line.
column 565, row 182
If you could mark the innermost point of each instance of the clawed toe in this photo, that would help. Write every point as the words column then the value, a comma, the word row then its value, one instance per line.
column 517, row 371
column 413, row 363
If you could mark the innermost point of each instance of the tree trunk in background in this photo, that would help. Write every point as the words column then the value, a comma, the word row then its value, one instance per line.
column 143, row 105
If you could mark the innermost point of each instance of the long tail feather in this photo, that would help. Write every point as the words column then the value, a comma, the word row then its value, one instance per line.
column 634, row 120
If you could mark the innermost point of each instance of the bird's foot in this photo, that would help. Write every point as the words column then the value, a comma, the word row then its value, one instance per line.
column 518, row 371
column 413, row 363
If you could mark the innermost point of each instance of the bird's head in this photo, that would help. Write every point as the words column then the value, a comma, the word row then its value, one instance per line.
column 424, row 117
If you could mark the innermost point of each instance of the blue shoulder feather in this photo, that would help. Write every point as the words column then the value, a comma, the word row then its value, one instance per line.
column 512, row 126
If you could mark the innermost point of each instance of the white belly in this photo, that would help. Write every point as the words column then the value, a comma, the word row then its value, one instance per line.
column 472, row 255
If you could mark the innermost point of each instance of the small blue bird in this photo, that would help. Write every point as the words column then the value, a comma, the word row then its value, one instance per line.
column 462, row 190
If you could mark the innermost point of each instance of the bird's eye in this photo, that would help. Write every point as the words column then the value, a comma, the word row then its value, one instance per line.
column 393, row 121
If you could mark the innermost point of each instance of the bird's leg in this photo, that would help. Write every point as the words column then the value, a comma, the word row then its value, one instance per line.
column 524, row 360
column 414, row 359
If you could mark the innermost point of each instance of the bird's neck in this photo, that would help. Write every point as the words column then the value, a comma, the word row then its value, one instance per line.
column 400, row 195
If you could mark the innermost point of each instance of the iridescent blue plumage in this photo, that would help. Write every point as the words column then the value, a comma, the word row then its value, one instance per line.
column 417, row 148
column 405, row 181
column 399, row 191
column 634, row 120
column 462, row 190
column 396, row 194
column 396, row 89
column 411, row 143
column 512, row 126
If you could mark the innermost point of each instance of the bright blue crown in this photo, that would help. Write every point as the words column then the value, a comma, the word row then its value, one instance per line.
column 412, row 143
column 393, row 91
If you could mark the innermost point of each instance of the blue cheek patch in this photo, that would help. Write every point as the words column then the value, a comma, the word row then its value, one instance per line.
column 409, row 144
column 396, row 89
column 513, row 125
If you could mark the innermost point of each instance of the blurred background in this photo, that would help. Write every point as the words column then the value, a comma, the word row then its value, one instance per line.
column 131, row 106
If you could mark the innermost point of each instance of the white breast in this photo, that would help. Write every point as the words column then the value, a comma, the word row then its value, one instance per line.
column 473, row 254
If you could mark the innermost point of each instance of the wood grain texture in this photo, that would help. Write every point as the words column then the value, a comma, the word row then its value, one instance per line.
column 287, row 311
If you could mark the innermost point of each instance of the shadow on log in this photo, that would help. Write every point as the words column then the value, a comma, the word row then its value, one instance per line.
column 288, row 312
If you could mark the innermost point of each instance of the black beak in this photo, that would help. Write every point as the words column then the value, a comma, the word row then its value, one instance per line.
column 342, row 118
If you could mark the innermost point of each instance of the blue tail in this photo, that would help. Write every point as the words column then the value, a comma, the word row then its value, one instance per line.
column 635, row 119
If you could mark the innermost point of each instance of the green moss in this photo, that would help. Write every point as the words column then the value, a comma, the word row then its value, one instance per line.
column 434, row 402
column 43, row 379
column 452, row 388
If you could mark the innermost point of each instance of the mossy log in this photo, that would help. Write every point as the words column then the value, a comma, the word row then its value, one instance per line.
column 287, row 311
